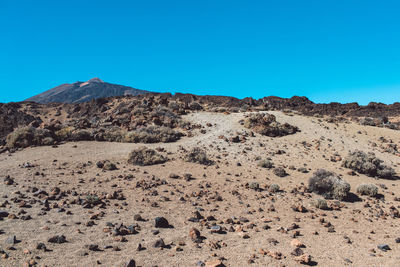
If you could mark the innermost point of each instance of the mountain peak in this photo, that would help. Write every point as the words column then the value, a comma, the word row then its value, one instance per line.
column 95, row 80
column 83, row 92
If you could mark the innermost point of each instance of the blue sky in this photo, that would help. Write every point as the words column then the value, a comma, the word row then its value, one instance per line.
column 329, row 50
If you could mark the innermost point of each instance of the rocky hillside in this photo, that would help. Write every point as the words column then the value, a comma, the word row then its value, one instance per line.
column 79, row 92
column 130, row 118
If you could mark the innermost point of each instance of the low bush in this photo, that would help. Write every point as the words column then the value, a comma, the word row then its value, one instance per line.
column 152, row 134
column 273, row 188
column 280, row 172
column 144, row 156
column 367, row 189
column 265, row 163
column 320, row 204
column 328, row 184
column 29, row 136
column 368, row 164
column 197, row 155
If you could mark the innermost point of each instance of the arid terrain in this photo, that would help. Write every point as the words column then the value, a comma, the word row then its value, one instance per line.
column 220, row 184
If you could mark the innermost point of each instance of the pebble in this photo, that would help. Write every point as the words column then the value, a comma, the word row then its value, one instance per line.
column 11, row 240
column 383, row 247
column 3, row 214
column 194, row 234
column 59, row 239
column 41, row 246
column 130, row 263
column 216, row 229
column 159, row 243
column 161, row 222
column 214, row 263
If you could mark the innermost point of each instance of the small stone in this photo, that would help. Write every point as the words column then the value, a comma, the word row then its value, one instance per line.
column 383, row 247
column 194, row 234
column 130, row 263
column 11, row 240
column 303, row 259
column 159, row 243
column 140, row 247
column 41, row 246
column 214, row 263
column 59, row 239
column 137, row 217
column 93, row 247
column 296, row 243
column 216, row 229
column 161, row 222
column 3, row 214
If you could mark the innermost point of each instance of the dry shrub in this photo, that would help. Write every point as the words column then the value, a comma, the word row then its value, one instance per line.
column 367, row 189
column 328, row 184
column 367, row 164
column 152, row 134
column 197, row 155
column 320, row 204
column 29, row 136
column 144, row 156
column 265, row 163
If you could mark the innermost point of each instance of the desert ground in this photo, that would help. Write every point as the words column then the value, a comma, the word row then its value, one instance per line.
column 238, row 222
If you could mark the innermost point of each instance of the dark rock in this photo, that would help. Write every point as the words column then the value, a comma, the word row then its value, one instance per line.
column 59, row 239
column 41, row 246
column 383, row 247
column 159, row 243
column 161, row 222
column 3, row 214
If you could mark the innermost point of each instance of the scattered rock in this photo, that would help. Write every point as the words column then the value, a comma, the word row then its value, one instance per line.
column 161, row 222
column 59, row 239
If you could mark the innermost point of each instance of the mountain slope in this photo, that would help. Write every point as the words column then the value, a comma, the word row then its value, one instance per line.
column 84, row 91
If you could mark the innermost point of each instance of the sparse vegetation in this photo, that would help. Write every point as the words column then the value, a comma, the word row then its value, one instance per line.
column 254, row 185
column 144, row 156
column 280, row 172
column 265, row 163
column 197, row 155
column 152, row 134
column 368, row 164
column 273, row 188
column 320, row 204
column 367, row 189
column 329, row 185
column 29, row 136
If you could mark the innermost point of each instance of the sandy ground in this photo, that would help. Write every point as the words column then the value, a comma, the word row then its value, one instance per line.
column 260, row 216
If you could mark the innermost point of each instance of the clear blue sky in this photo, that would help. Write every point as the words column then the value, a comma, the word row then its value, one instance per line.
column 327, row 50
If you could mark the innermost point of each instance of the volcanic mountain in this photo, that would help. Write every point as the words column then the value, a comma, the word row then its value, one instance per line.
column 84, row 91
